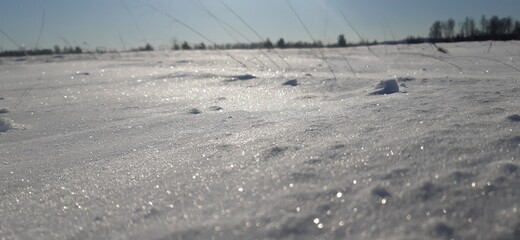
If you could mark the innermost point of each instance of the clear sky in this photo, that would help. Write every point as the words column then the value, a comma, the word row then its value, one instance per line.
column 118, row 24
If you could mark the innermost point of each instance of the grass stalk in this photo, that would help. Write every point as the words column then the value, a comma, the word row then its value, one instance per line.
column 357, row 33
column 225, row 26
column 42, row 25
column 253, row 30
column 312, row 38
column 12, row 41
column 194, row 31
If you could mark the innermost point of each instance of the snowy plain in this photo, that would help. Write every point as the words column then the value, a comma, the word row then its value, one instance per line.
column 192, row 145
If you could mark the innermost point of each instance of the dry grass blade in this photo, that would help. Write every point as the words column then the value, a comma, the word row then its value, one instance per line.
column 350, row 66
column 12, row 41
column 253, row 30
column 134, row 20
column 357, row 33
column 312, row 38
column 42, row 25
column 194, row 31
column 441, row 49
column 225, row 26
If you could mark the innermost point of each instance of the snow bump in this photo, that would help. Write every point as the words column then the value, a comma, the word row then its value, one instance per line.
column 244, row 77
column 386, row 87
column 215, row 108
column 514, row 118
column 292, row 82
column 6, row 124
column 194, row 111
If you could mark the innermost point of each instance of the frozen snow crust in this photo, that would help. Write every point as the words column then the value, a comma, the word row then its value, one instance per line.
column 190, row 145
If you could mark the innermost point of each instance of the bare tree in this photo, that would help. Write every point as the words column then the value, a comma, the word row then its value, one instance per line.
column 484, row 25
column 494, row 26
column 506, row 25
column 467, row 28
column 436, row 30
column 516, row 30
column 449, row 28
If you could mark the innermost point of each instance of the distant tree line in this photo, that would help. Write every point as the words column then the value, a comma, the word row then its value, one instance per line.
column 494, row 28
column 145, row 48
column 35, row 52
column 65, row 50
column 268, row 44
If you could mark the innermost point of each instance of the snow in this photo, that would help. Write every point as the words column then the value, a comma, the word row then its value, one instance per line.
column 178, row 145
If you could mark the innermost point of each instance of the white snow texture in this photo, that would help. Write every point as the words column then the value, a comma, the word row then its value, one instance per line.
column 192, row 145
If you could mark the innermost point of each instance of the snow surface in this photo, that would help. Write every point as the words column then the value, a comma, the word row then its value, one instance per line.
column 191, row 145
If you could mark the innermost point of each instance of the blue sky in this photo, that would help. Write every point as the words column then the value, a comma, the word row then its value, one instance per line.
column 109, row 24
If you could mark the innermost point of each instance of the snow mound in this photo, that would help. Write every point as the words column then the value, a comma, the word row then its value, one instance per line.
column 4, row 110
column 292, row 82
column 244, row 77
column 194, row 111
column 6, row 124
column 514, row 118
column 275, row 153
column 386, row 87
column 215, row 108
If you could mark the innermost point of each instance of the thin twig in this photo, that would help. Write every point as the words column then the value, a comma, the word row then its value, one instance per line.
column 12, row 41
column 312, row 38
column 357, row 33
column 122, row 41
column 194, row 31
column 42, row 24
column 127, row 8
column 223, row 25
column 254, row 31
column 350, row 66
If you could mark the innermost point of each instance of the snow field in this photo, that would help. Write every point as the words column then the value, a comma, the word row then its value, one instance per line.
column 188, row 145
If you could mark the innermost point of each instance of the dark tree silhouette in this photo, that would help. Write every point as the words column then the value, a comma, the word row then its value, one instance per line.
column 436, row 30
column 342, row 42
column 280, row 43
column 57, row 49
column 516, row 30
column 186, row 46
column 201, row 46
column 506, row 26
column 484, row 25
column 494, row 26
column 450, row 28
column 268, row 44
column 468, row 28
